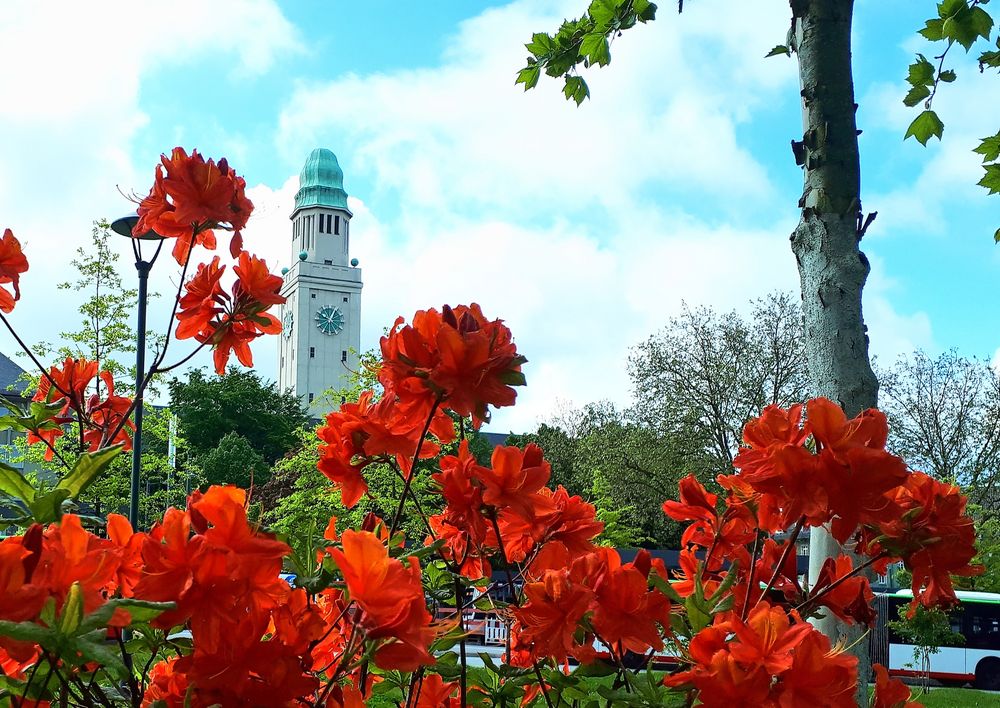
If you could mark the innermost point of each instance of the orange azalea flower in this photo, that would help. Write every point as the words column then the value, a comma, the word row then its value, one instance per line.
column 166, row 687
column 819, row 676
column 513, row 478
column 730, row 531
column 199, row 306
column 627, row 612
column 224, row 578
column 361, row 432
column 391, row 598
column 130, row 569
column 70, row 555
column 855, row 469
column 456, row 354
column 433, row 692
column 852, row 599
column 929, row 529
column 230, row 322
column 191, row 196
column 12, row 264
column 103, row 417
column 547, row 623
column 555, row 519
column 889, row 692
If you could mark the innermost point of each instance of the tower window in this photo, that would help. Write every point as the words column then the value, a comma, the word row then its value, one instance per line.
column 312, row 352
column 345, row 299
column 336, row 224
column 328, row 262
column 343, row 355
column 313, row 296
column 310, row 398
column 322, row 223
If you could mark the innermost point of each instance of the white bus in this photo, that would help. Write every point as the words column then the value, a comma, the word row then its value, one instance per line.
column 976, row 660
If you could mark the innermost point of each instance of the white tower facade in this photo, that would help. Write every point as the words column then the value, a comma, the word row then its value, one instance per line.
column 321, row 318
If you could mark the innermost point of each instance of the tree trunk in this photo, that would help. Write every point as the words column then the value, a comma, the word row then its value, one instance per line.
column 832, row 268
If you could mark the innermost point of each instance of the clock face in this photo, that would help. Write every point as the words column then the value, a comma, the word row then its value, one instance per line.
column 286, row 324
column 329, row 320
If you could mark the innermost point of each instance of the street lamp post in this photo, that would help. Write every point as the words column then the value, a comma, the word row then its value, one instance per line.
column 124, row 227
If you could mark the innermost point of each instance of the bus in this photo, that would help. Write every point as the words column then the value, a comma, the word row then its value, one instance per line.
column 976, row 660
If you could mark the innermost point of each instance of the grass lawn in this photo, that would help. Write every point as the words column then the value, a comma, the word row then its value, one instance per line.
column 958, row 698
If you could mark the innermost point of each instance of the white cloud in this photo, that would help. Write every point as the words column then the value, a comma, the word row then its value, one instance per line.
column 72, row 84
column 463, row 133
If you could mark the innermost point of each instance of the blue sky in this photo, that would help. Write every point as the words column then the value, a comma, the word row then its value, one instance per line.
column 583, row 228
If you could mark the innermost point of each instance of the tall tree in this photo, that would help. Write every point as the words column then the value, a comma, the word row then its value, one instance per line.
column 945, row 419
column 209, row 407
column 832, row 268
column 708, row 373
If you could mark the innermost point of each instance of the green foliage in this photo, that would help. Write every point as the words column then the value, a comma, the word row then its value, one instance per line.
column 962, row 23
column 210, row 407
column 584, row 41
column 925, row 126
column 234, row 461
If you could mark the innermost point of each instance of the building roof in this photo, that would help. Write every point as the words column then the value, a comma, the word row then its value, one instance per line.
column 10, row 376
column 321, row 182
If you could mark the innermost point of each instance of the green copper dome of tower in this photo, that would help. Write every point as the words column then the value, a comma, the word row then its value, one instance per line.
column 321, row 182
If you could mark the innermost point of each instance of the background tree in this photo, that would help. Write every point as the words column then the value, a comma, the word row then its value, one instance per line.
column 210, row 407
column 944, row 418
column 234, row 461
column 624, row 467
column 707, row 373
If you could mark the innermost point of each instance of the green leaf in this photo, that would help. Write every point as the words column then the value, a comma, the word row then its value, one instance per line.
column 644, row 10
column 87, row 467
column 72, row 613
column 93, row 647
column 916, row 95
column 576, row 89
column 921, row 72
column 965, row 25
column 529, row 76
column 540, row 44
column 48, row 507
column 932, row 30
column 13, row 483
column 989, row 148
column 996, row 236
column 603, row 13
column 924, row 126
column 779, row 50
column 139, row 610
column 595, row 47
column 27, row 632
column 948, row 75
column 991, row 180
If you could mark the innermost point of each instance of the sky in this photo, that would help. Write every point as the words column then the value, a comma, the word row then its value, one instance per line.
column 583, row 228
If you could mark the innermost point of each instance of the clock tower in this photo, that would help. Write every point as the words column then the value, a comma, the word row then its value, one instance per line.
column 321, row 319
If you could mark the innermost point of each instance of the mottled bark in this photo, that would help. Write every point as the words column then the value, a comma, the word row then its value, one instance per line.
column 832, row 268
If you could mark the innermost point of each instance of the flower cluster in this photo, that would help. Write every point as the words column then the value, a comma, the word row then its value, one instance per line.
column 12, row 264
column 230, row 321
column 103, row 419
column 191, row 197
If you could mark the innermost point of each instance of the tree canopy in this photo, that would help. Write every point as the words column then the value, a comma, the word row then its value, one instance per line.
column 208, row 407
